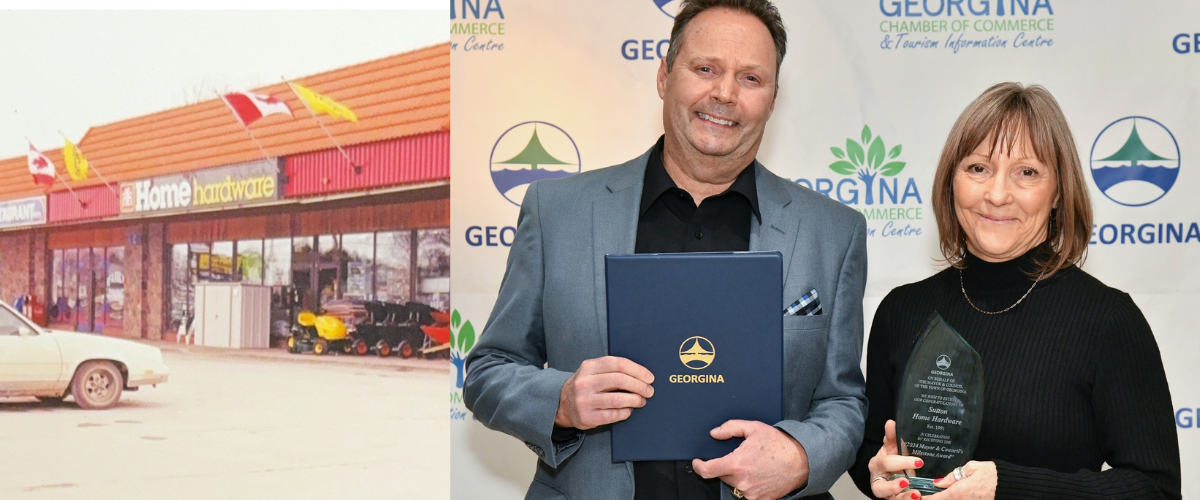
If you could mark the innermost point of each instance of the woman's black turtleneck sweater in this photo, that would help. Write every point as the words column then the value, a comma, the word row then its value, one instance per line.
column 1074, row 380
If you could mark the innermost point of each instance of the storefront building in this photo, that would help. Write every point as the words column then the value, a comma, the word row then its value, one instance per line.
column 190, row 198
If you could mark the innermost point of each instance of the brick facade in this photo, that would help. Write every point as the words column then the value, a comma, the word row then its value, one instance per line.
column 135, row 271
column 15, row 272
column 155, row 297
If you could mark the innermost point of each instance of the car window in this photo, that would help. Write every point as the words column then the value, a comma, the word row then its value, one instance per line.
column 9, row 322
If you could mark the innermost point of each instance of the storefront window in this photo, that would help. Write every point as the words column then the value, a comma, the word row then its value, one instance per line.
column 392, row 263
column 58, row 296
column 83, row 306
column 302, row 249
column 115, row 300
column 277, row 266
column 433, row 264
column 71, row 286
column 221, row 262
column 329, row 281
column 181, row 284
column 99, row 289
column 250, row 261
column 327, row 247
column 302, row 259
column 277, row 274
column 359, row 250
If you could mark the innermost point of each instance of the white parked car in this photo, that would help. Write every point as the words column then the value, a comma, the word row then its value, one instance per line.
column 52, row 364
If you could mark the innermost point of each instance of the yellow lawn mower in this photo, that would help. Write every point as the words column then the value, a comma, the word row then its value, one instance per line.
column 319, row 333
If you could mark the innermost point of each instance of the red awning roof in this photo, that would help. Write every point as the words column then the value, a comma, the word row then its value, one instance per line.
column 397, row 96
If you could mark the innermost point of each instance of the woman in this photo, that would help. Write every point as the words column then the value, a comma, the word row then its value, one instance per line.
column 1074, row 376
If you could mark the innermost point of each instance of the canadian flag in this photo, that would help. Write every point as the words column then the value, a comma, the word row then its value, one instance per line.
column 250, row 107
column 40, row 166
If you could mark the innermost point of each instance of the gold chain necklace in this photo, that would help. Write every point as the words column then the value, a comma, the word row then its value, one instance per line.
column 1006, row 309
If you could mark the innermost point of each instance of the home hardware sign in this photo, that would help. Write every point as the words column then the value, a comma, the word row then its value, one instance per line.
column 233, row 185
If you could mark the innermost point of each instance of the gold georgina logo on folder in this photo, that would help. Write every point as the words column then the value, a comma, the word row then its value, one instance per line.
column 697, row 353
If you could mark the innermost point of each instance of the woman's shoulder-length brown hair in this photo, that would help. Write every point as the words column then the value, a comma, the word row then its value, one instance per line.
column 1005, row 114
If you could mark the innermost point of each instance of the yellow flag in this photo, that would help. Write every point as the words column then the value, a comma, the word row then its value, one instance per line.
column 77, row 165
column 320, row 104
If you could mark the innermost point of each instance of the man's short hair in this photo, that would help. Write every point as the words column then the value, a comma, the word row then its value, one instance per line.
column 764, row 10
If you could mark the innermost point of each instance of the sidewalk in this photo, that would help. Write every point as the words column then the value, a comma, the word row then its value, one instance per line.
column 436, row 366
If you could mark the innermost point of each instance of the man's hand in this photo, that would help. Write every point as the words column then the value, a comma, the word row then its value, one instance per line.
column 603, row 391
column 767, row 465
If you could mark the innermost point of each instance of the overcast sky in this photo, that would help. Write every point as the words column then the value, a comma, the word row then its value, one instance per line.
column 71, row 70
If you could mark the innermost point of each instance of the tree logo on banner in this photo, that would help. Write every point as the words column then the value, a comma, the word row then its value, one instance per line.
column 669, row 7
column 1135, row 161
column 867, row 159
column 462, row 339
column 531, row 151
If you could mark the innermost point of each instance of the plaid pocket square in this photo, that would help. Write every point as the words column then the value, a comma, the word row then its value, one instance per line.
column 807, row 305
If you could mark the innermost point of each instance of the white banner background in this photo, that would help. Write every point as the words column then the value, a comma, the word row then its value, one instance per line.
column 585, row 71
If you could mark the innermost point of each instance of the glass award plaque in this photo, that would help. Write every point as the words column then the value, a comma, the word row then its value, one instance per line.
column 939, row 403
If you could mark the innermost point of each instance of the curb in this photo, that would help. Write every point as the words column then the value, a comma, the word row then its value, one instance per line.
column 442, row 367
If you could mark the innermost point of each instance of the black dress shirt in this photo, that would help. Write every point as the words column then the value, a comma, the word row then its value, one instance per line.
column 670, row 222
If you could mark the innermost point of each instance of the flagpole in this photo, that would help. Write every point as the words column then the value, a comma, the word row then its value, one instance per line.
column 57, row 177
column 244, row 127
column 72, row 191
column 334, row 141
column 357, row 167
column 97, row 169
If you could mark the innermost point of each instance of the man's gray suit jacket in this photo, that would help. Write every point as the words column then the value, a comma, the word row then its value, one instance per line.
column 551, row 315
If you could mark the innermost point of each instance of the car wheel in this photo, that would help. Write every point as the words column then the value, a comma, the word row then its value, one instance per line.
column 97, row 385
column 406, row 349
column 361, row 348
column 321, row 346
column 383, row 349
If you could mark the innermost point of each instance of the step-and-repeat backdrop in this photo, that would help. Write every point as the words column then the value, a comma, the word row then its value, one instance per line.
column 570, row 86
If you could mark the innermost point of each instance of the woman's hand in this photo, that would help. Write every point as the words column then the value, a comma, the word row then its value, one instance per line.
column 889, row 461
column 979, row 483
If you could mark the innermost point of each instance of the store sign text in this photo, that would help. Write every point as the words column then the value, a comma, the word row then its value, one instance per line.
column 23, row 212
column 245, row 183
column 233, row 190
column 150, row 197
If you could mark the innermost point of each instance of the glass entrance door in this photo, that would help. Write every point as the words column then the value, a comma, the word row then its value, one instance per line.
column 99, row 290
column 89, row 289
column 83, row 302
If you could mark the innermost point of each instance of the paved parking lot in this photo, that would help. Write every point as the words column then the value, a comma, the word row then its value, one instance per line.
column 241, row 426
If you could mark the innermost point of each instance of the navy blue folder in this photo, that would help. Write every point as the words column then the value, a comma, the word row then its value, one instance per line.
column 709, row 327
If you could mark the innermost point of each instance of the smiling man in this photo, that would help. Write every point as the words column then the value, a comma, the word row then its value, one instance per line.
column 541, row 372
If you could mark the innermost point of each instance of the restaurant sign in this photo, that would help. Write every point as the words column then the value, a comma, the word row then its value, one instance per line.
column 23, row 212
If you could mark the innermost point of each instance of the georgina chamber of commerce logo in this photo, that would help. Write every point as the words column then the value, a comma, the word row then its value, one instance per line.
column 697, row 353
column 1135, row 161
column 531, row 151
column 462, row 339
column 871, row 183
column 966, row 26
column 476, row 25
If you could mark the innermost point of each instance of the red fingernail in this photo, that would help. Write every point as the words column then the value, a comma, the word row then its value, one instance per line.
column 916, row 495
column 903, row 483
column 919, row 463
